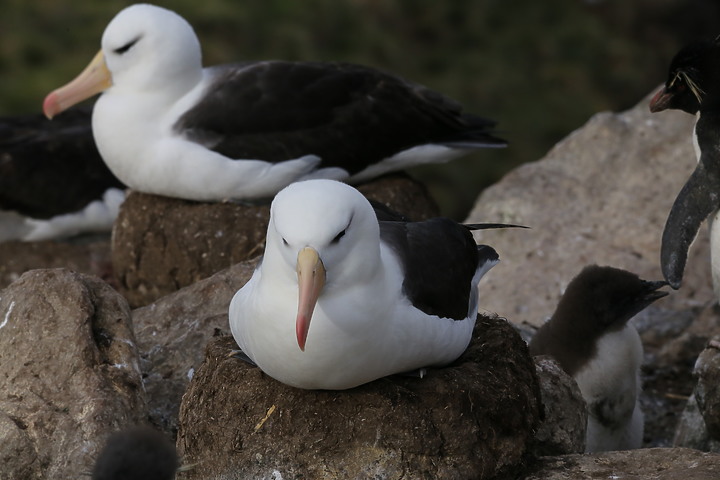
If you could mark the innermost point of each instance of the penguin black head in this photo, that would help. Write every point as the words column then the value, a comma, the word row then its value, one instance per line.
column 606, row 297
column 693, row 72
column 138, row 453
column 597, row 301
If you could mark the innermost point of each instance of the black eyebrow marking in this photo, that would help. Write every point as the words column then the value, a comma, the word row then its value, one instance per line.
column 127, row 46
column 342, row 232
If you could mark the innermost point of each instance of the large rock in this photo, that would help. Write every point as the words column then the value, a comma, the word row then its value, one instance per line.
column 656, row 464
column 173, row 331
column 162, row 244
column 69, row 373
column 474, row 419
column 601, row 195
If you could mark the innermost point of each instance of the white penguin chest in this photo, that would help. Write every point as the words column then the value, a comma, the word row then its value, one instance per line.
column 611, row 379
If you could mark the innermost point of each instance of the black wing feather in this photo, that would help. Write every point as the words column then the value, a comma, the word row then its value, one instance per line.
column 440, row 258
column 50, row 168
column 348, row 115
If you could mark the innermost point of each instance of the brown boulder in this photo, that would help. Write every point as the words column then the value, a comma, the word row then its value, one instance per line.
column 162, row 244
column 402, row 193
column 474, row 419
column 656, row 464
column 564, row 424
column 602, row 196
column 69, row 373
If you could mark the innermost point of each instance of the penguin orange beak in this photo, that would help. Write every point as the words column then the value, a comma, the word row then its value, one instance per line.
column 93, row 80
column 660, row 101
column 311, row 280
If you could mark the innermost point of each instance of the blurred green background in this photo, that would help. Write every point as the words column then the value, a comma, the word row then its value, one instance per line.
column 540, row 68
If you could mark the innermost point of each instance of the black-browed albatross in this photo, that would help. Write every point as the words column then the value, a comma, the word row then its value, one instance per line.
column 165, row 125
column 340, row 298
column 53, row 183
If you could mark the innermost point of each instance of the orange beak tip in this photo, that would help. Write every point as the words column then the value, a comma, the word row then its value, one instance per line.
column 50, row 105
column 94, row 79
column 301, row 330
column 660, row 101
column 311, row 279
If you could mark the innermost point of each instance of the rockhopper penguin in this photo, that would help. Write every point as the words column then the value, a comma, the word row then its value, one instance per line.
column 691, row 87
column 589, row 335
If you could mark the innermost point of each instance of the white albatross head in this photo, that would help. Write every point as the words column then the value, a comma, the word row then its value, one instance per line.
column 144, row 48
column 326, row 233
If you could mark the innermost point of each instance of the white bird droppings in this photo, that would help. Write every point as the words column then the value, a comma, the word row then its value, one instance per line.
column 7, row 315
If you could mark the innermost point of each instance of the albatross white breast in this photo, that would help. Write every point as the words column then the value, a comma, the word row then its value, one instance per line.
column 340, row 298
column 165, row 125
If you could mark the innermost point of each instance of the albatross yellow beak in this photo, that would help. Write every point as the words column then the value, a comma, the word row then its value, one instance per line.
column 311, row 280
column 94, row 79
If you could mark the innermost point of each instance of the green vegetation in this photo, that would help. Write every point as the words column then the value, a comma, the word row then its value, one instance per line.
column 540, row 68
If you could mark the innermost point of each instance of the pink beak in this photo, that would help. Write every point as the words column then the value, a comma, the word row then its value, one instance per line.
column 311, row 280
column 94, row 79
column 660, row 101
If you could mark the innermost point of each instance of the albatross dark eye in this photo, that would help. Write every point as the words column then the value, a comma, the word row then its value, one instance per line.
column 126, row 47
column 285, row 242
column 338, row 236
